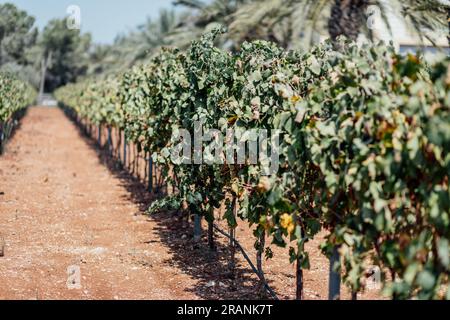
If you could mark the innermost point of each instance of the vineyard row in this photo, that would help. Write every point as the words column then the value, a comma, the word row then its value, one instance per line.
column 365, row 135
column 15, row 96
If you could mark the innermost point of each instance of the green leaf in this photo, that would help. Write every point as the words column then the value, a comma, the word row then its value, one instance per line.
column 426, row 280
column 315, row 65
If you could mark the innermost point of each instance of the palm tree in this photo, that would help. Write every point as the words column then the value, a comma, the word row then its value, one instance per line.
column 134, row 47
column 425, row 16
column 153, row 35
column 215, row 12
column 203, row 16
column 439, row 7
column 345, row 17
column 281, row 21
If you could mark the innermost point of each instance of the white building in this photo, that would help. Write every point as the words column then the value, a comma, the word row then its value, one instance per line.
column 406, row 41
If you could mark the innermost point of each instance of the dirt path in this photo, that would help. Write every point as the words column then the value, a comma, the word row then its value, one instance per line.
column 59, row 206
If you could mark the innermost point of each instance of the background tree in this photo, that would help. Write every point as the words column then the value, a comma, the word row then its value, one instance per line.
column 65, row 53
column 344, row 17
column 155, row 34
column 347, row 18
column 281, row 21
column 16, row 33
column 439, row 7
column 203, row 16
column 292, row 24
column 17, row 39
column 136, row 46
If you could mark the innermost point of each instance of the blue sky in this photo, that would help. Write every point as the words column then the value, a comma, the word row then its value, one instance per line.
column 104, row 19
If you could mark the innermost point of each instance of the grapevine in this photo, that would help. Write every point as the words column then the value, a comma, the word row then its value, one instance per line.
column 364, row 140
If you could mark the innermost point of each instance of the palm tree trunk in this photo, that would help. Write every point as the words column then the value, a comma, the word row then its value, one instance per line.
column 45, row 63
column 347, row 18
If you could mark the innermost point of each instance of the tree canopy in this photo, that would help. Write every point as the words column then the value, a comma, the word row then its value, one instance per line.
column 68, row 50
column 291, row 24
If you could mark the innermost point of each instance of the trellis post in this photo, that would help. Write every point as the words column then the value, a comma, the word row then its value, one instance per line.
column 211, row 244
column 232, row 244
column 119, row 143
column 124, row 151
column 2, row 137
column 299, row 279
column 150, row 174
column 334, row 289
column 197, row 227
column 259, row 261
column 109, row 140
column 100, row 135
column 2, row 131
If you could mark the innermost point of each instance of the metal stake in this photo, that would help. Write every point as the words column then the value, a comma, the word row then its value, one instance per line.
column 197, row 227
column 150, row 174
column 124, row 151
column 100, row 135
column 334, row 292
column 109, row 140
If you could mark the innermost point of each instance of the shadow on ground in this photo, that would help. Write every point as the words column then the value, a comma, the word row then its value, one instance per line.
column 210, row 269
